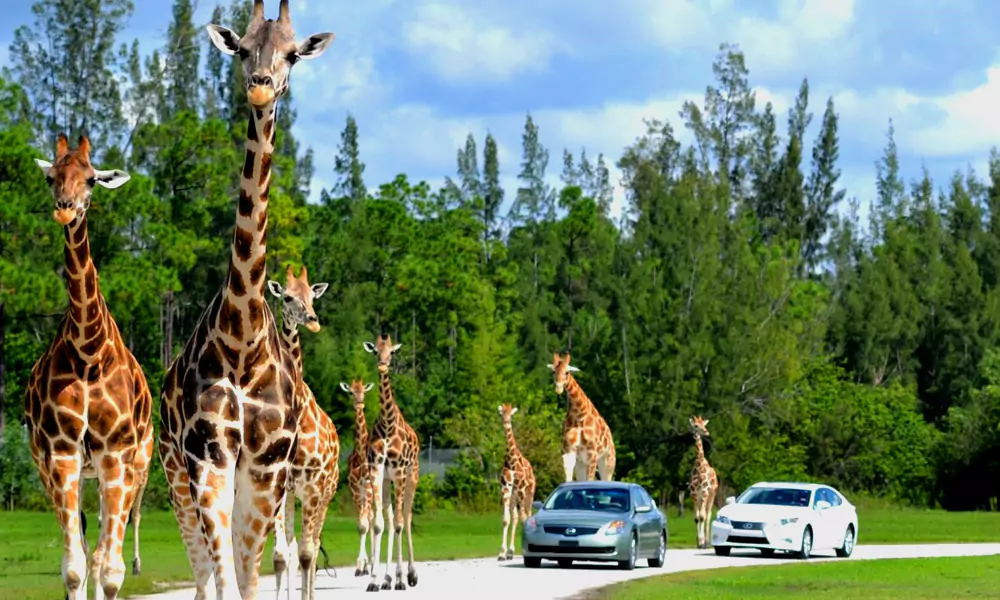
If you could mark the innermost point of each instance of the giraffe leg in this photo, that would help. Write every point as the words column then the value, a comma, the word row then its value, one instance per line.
column 97, row 559
column 399, row 488
column 411, row 491
column 361, row 503
column 63, row 484
column 606, row 465
column 258, row 497
column 187, row 517
column 307, row 545
column 505, row 494
column 116, row 477
column 513, row 528
column 592, row 465
column 212, row 489
column 569, row 464
column 136, row 517
column 378, row 497
column 284, row 536
column 389, row 518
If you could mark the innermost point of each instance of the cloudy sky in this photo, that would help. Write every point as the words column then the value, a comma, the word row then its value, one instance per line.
column 420, row 74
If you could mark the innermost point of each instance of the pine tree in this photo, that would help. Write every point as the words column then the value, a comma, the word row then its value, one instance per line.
column 822, row 194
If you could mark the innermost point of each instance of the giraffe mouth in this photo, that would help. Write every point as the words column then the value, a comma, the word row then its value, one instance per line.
column 313, row 326
column 64, row 216
column 260, row 95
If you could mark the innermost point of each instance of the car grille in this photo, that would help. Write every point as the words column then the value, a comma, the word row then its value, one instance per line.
column 746, row 539
column 747, row 526
column 561, row 530
column 571, row 549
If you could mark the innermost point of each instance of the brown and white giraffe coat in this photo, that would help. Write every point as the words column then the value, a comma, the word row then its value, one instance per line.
column 87, row 406
column 587, row 445
column 517, row 485
column 704, row 482
column 393, row 456
column 357, row 472
column 315, row 468
column 228, row 406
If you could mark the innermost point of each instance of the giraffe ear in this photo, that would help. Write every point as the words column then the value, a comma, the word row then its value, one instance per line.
column 368, row 387
column 344, row 387
column 111, row 179
column 369, row 347
column 513, row 410
column 551, row 367
column 276, row 289
column 318, row 289
column 572, row 370
column 705, row 422
column 45, row 166
column 314, row 45
column 225, row 39
column 397, row 347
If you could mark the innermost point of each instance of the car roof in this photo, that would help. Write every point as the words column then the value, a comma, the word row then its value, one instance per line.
column 597, row 484
column 795, row 485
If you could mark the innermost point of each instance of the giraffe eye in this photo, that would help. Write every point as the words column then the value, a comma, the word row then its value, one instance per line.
column 49, row 179
column 91, row 182
column 288, row 298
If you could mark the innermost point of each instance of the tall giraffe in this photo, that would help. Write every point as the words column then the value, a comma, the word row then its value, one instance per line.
column 357, row 473
column 393, row 456
column 704, row 482
column 315, row 469
column 87, row 404
column 228, row 405
column 517, row 484
column 587, row 445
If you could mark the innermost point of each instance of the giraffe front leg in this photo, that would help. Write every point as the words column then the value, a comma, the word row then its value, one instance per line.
column 63, row 484
column 187, row 517
column 390, row 519
column 213, row 494
column 377, row 485
column 260, row 494
column 411, row 491
column 311, row 506
column 592, row 465
column 362, row 504
column 569, row 463
column 513, row 528
column 116, row 483
column 281, row 556
column 136, row 518
column 505, row 492
column 399, row 488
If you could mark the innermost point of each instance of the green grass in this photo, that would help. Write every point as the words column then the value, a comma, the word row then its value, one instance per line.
column 31, row 552
column 904, row 579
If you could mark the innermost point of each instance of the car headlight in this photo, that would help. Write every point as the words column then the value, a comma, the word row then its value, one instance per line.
column 531, row 524
column 723, row 519
column 784, row 522
column 614, row 528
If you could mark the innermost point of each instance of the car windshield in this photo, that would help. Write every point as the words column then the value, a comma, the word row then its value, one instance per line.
column 776, row 496
column 599, row 499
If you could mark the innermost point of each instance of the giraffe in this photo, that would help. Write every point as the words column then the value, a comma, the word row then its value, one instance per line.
column 315, row 470
column 87, row 405
column 357, row 474
column 228, row 403
column 704, row 482
column 393, row 456
column 517, row 484
column 587, row 445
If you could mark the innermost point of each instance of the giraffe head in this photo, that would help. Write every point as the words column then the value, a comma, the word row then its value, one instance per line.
column 383, row 349
column 297, row 299
column 699, row 426
column 506, row 412
column 268, row 51
column 358, row 389
column 72, row 179
column 561, row 368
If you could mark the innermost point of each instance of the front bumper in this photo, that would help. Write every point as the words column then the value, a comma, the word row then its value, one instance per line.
column 596, row 547
column 760, row 535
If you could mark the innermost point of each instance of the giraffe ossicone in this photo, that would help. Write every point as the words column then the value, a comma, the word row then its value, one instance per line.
column 588, row 447
column 87, row 405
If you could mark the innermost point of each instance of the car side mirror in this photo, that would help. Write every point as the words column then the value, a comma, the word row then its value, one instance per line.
column 536, row 505
column 822, row 505
column 643, row 509
column 731, row 500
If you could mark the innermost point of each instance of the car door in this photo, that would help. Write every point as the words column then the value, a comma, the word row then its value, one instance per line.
column 840, row 518
column 641, row 519
column 652, row 524
column 823, row 520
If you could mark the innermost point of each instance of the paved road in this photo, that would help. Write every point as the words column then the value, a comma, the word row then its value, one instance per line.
column 483, row 579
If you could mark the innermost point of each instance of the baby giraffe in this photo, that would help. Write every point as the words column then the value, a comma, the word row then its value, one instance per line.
column 357, row 471
column 704, row 482
column 517, row 485
column 315, row 472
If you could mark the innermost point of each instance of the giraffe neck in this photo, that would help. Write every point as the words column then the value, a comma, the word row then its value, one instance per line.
column 387, row 414
column 360, row 429
column 512, row 449
column 290, row 340
column 86, row 326
column 244, row 290
column 700, row 448
column 578, row 401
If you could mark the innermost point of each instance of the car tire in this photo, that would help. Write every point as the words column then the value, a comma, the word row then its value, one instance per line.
column 807, row 543
column 767, row 552
column 847, row 549
column 565, row 563
column 661, row 553
column 723, row 550
column 633, row 551
column 532, row 562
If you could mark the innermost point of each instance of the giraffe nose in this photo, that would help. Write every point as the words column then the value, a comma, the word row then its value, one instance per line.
column 256, row 79
column 312, row 318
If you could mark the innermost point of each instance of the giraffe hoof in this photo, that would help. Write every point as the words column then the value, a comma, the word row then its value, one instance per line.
column 358, row 572
column 411, row 578
column 372, row 587
column 387, row 585
column 400, row 585
column 510, row 555
column 136, row 566
column 501, row 558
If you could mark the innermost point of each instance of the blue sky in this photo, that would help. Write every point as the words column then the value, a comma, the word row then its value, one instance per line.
column 420, row 74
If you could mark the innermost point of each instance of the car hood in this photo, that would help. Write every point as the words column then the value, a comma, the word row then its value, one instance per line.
column 762, row 513
column 577, row 517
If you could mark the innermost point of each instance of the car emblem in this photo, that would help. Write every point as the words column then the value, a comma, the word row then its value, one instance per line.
column 570, row 531
column 748, row 526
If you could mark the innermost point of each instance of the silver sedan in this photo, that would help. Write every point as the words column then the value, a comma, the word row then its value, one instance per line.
column 608, row 521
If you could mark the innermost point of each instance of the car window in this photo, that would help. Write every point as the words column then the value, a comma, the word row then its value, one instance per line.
column 832, row 497
column 598, row 499
column 644, row 499
column 775, row 496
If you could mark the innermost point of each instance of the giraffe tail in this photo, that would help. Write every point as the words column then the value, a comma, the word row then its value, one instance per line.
column 326, row 561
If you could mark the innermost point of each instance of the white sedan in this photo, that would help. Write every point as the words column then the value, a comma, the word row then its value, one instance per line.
column 788, row 517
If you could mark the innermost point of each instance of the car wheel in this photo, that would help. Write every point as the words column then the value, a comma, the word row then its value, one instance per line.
column 767, row 552
column 807, row 544
column 532, row 562
column 633, row 549
column 848, row 548
column 723, row 550
column 565, row 563
column 661, row 553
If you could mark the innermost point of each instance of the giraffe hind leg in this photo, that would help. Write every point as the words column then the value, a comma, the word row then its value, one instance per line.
column 136, row 517
column 411, row 491
column 400, row 493
column 505, row 502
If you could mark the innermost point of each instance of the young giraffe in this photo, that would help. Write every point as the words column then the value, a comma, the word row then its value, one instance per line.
column 704, row 482
column 228, row 405
column 315, row 469
column 587, row 445
column 357, row 473
column 517, row 484
column 87, row 405
column 393, row 456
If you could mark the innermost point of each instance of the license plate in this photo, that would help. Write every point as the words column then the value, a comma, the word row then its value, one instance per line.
column 569, row 543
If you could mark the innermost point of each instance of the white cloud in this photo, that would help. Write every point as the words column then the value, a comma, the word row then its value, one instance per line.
column 463, row 46
column 969, row 124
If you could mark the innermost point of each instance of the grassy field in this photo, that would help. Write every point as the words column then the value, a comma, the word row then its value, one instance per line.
column 903, row 579
column 30, row 546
